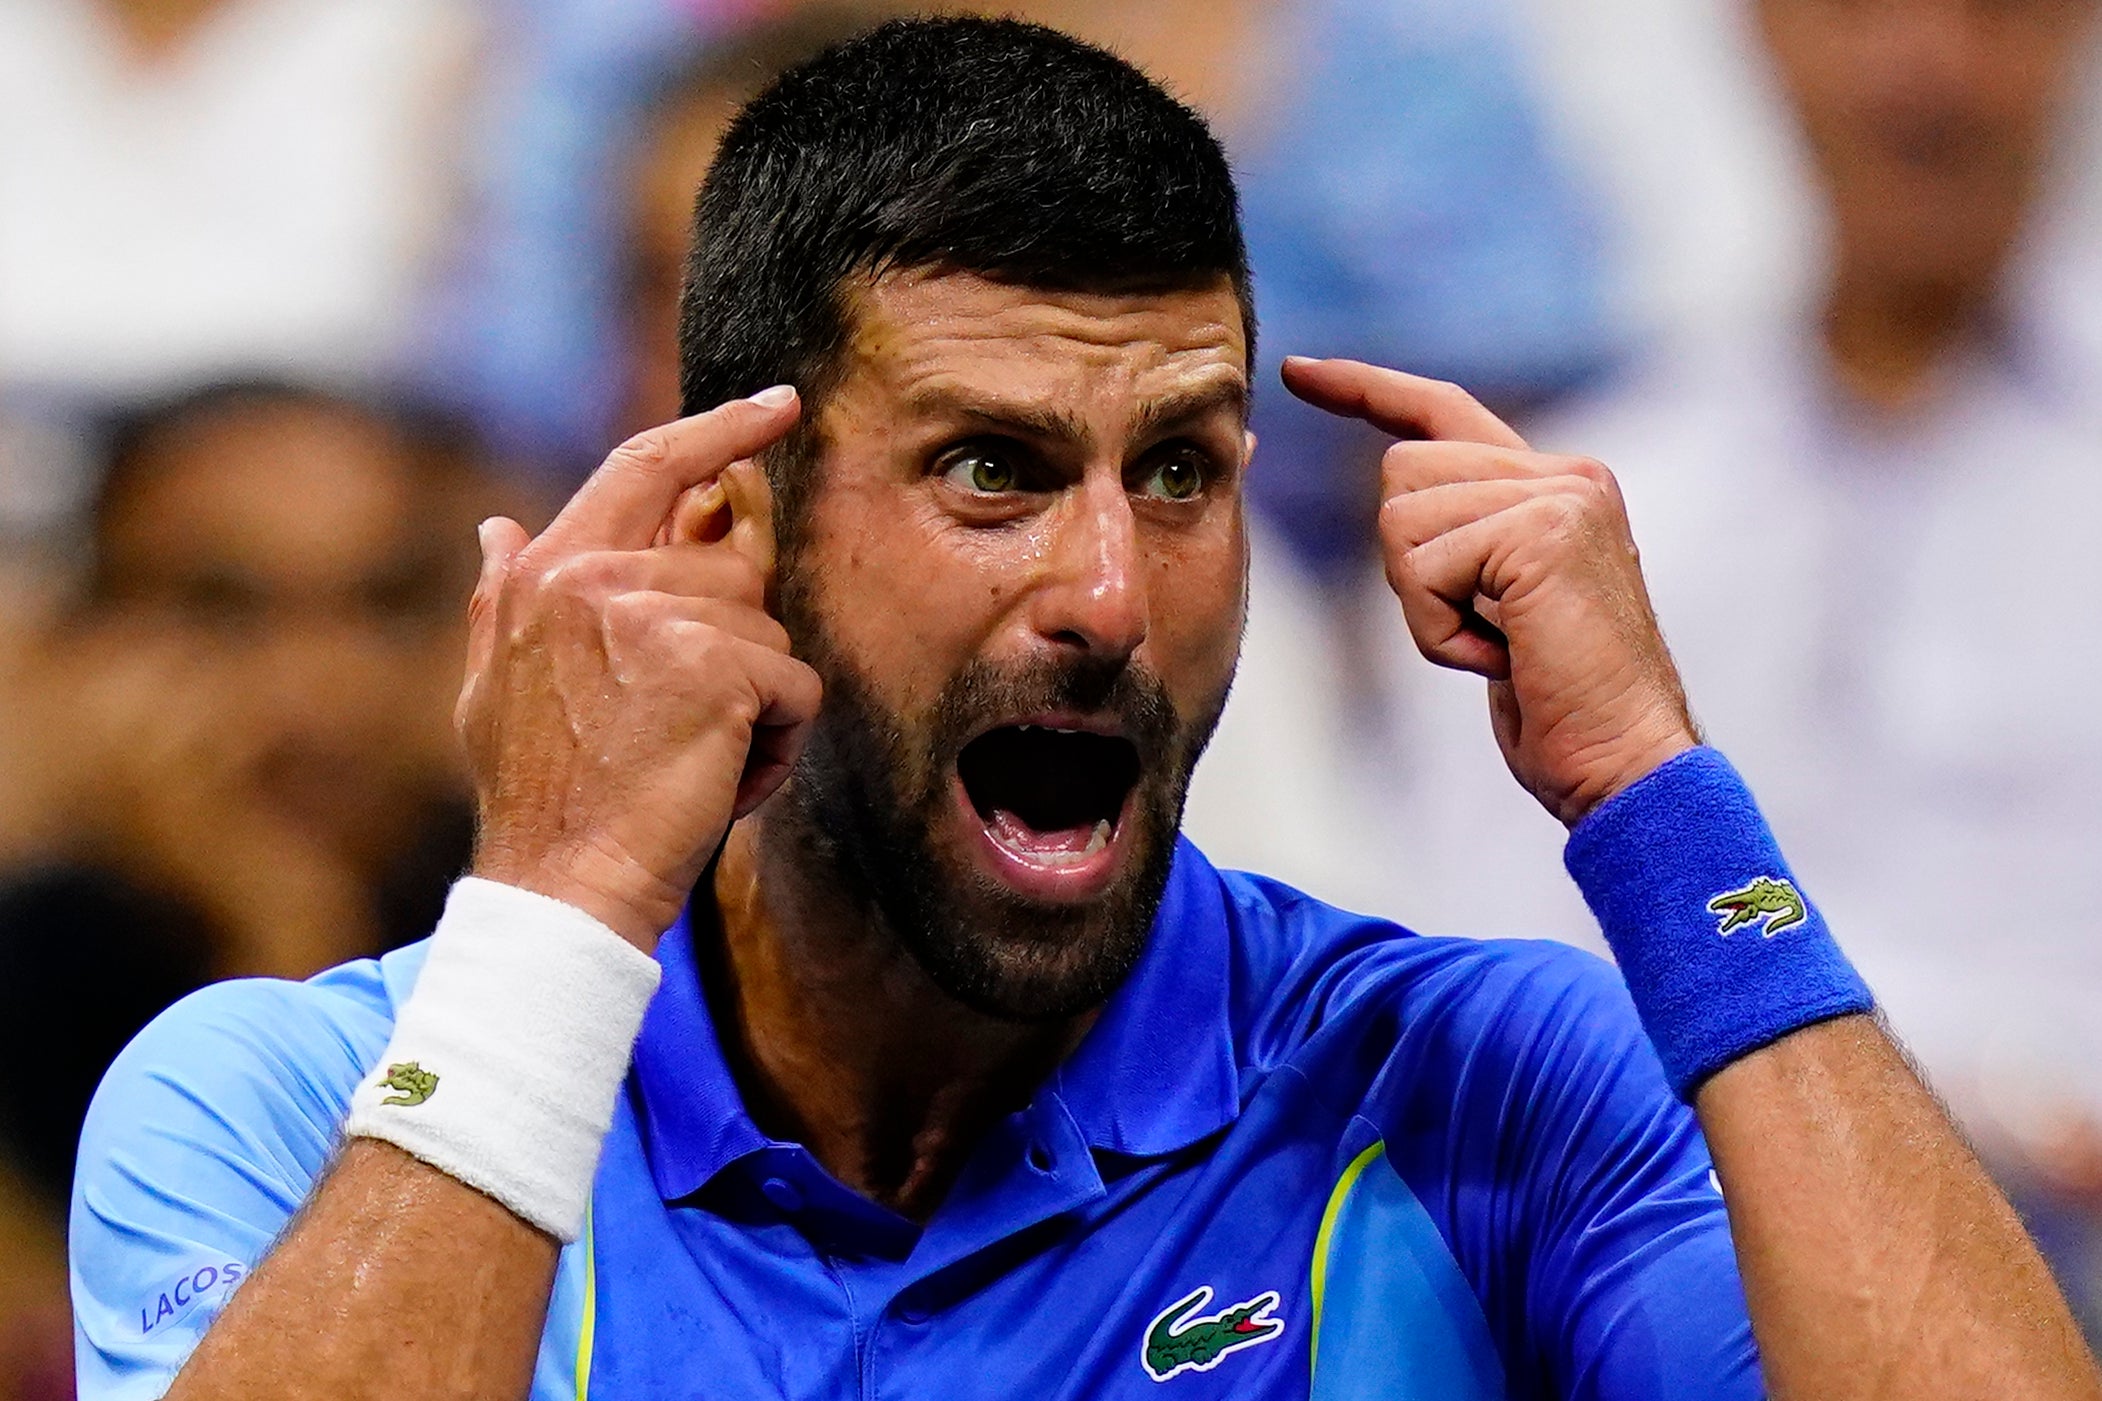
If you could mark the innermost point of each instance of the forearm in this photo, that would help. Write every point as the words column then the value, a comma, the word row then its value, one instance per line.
column 1878, row 1259
column 421, row 1264
column 394, row 1281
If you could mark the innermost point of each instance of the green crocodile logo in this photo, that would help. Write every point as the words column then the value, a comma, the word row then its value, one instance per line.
column 1178, row 1342
column 415, row 1083
column 1778, row 902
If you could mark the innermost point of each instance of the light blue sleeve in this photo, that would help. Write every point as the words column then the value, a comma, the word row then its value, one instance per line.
column 206, row 1135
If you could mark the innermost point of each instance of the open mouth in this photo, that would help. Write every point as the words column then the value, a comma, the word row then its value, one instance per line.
column 1051, row 799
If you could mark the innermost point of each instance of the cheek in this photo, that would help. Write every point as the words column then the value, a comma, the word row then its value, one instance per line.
column 1198, row 595
column 902, row 593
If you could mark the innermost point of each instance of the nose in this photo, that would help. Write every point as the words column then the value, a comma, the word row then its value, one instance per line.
column 1091, row 596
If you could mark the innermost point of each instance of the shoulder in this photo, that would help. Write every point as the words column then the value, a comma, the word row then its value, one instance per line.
column 207, row 1133
column 259, row 1037
column 262, row 1064
column 1308, row 976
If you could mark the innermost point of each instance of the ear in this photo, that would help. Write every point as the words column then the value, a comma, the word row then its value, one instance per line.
column 701, row 516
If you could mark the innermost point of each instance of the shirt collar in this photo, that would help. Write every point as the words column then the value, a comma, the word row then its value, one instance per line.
column 1158, row 1072
column 1155, row 1074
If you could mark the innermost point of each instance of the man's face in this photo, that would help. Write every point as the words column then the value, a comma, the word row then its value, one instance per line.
column 1021, row 577
column 306, row 571
column 1930, row 120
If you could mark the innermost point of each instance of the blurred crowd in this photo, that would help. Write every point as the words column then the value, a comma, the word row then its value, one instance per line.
column 293, row 292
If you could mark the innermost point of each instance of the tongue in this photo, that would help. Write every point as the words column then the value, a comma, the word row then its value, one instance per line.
column 1070, row 843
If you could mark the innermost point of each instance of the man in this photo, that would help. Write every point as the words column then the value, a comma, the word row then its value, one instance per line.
column 963, row 1078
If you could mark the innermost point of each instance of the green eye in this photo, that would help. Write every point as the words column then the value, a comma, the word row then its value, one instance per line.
column 1176, row 479
column 981, row 471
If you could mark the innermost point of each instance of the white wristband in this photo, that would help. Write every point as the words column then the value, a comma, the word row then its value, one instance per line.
column 507, row 1056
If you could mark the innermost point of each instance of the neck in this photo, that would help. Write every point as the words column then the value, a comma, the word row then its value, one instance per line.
column 1887, row 335
column 841, row 1042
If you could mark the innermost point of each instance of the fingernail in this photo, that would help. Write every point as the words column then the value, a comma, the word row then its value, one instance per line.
column 481, row 534
column 1299, row 359
column 779, row 397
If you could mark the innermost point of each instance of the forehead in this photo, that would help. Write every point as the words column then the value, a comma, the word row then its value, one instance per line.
column 281, row 489
column 920, row 333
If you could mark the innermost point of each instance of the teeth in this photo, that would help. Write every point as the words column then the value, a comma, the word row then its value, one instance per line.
column 1099, row 838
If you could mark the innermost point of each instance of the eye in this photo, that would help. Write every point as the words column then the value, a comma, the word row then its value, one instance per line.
column 985, row 470
column 1177, row 477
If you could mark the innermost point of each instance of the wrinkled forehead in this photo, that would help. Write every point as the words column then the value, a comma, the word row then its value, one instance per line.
column 920, row 339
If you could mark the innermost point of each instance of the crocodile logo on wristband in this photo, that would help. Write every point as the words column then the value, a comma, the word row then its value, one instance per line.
column 1770, row 898
column 414, row 1083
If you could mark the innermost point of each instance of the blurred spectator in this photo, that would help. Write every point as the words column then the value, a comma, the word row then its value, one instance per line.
column 1866, row 522
column 1866, row 530
column 247, row 716
column 189, row 187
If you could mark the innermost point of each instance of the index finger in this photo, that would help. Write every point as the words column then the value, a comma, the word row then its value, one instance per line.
column 629, row 496
column 1408, row 406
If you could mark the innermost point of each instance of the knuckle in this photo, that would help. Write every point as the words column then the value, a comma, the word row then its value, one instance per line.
column 578, row 576
column 644, row 452
column 1562, row 516
column 1396, row 461
column 1604, row 486
column 706, row 649
column 628, row 610
column 1448, row 393
column 1407, row 571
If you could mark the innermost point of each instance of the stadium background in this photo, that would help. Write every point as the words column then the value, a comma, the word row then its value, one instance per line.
column 293, row 291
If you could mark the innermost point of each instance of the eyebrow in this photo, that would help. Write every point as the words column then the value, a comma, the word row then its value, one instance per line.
column 1194, row 404
column 1061, row 425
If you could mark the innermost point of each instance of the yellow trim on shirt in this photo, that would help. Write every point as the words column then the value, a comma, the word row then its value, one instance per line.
column 590, row 1311
column 1321, row 1241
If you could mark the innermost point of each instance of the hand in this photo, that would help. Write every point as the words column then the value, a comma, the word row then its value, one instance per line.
column 628, row 695
column 1517, row 566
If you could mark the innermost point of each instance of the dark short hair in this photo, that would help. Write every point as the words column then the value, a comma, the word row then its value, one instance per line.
column 987, row 146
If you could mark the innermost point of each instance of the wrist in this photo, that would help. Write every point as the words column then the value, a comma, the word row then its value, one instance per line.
column 1631, row 760
column 618, row 893
column 1722, row 951
column 506, row 1059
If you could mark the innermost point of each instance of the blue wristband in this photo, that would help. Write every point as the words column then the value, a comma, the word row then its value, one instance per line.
column 1720, row 948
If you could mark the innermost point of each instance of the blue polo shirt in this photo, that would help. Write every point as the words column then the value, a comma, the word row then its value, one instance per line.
column 1302, row 1153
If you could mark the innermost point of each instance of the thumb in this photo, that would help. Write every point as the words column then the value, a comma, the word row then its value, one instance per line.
column 501, row 538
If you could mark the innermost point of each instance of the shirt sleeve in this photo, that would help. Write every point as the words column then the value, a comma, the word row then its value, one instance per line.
column 205, row 1136
column 1589, row 1217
